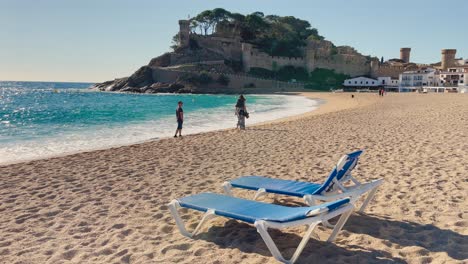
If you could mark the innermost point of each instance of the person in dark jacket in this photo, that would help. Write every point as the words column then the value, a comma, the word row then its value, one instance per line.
column 241, row 112
column 180, row 119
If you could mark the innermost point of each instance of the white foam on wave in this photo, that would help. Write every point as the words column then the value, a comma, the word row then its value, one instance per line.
column 274, row 107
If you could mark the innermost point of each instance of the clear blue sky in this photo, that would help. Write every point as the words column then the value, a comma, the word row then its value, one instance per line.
column 98, row 40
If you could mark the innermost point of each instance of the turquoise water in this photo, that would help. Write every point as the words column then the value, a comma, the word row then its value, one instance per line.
column 39, row 119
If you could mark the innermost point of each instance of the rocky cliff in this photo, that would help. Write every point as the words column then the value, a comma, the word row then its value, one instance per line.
column 144, row 81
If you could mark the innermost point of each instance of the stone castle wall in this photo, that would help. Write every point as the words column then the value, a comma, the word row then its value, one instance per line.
column 391, row 71
column 343, row 63
column 260, row 59
column 229, row 48
column 318, row 55
column 237, row 82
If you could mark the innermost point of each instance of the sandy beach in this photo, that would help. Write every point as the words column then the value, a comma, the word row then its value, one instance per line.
column 110, row 206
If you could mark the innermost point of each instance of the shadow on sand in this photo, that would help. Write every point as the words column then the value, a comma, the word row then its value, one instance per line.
column 405, row 233
column 245, row 238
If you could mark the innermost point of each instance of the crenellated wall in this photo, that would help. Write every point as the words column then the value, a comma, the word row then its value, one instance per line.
column 392, row 70
column 260, row 59
column 237, row 81
column 344, row 63
column 350, row 64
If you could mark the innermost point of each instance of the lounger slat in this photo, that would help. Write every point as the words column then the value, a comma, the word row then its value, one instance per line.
column 250, row 211
column 286, row 187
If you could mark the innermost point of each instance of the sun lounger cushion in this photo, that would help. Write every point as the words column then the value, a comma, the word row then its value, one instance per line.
column 295, row 188
column 251, row 211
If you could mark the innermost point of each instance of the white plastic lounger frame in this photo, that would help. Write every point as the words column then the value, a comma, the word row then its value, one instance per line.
column 315, row 217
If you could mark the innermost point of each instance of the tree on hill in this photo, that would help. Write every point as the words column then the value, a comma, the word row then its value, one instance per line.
column 275, row 35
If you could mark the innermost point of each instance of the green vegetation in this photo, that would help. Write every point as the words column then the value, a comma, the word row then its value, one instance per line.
column 286, row 73
column 319, row 79
column 196, row 79
column 223, row 80
column 324, row 79
column 262, row 73
column 204, row 78
column 275, row 35
column 235, row 65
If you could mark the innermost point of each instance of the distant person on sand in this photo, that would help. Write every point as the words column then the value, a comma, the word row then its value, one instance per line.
column 180, row 119
column 241, row 112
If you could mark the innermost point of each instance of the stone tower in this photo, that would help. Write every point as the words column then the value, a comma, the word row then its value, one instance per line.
column 246, row 56
column 448, row 58
column 310, row 58
column 405, row 54
column 184, row 33
column 374, row 67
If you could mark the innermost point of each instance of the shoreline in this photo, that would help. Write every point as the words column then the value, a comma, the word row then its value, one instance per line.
column 310, row 95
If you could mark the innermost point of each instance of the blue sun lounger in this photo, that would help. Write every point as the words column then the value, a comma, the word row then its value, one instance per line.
column 263, row 216
column 332, row 189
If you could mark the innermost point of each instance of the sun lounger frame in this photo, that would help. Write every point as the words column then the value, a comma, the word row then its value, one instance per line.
column 338, row 190
column 316, row 217
column 354, row 191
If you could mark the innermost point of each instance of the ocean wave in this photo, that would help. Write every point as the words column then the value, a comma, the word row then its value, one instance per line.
column 265, row 108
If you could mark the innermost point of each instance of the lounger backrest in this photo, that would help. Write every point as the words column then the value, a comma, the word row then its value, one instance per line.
column 343, row 168
column 351, row 162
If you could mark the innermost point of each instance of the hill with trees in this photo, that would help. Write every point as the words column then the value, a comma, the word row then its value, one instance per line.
column 275, row 35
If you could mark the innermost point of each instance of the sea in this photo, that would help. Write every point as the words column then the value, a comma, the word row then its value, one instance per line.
column 45, row 119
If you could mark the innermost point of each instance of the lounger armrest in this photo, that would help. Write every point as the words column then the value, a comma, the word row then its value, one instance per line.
column 227, row 188
column 317, row 211
column 327, row 198
column 366, row 186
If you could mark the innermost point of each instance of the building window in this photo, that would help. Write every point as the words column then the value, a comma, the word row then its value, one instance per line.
column 372, row 82
column 367, row 82
column 355, row 82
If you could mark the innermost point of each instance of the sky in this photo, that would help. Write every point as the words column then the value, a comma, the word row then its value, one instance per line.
column 99, row 40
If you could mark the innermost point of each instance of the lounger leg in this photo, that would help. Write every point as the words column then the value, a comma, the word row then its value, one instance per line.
column 344, row 217
column 227, row 188
column 368, row 199
column 325, row 223
column 173, row 206
column 373, row 186
column 263, row 230
column 260, row 192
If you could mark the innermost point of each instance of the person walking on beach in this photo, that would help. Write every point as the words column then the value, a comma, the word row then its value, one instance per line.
column 180, row 119
column 241, row 112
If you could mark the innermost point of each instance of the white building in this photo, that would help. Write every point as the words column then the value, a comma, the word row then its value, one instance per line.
column 388, row 82
column 416, row 79
column 463, row 86
column 453, row 76
column 361, row 82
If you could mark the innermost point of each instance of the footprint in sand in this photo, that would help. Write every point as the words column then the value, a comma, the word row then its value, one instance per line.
column 118, row 226
column 69, row 255
column 167, row 229
column 181, row 247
